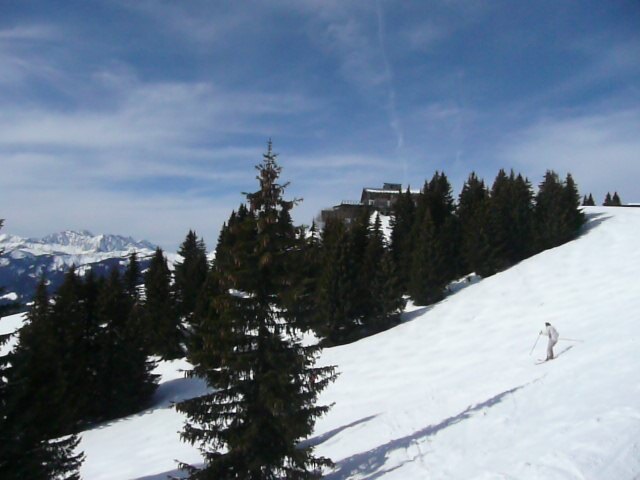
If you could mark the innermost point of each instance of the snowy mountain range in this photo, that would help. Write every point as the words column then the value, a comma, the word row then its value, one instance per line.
column 25, row 260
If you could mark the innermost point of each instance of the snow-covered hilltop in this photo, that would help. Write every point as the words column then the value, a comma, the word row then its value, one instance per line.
column 25, row 260
column 453, row 393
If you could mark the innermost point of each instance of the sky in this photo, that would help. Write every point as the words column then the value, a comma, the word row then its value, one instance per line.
column 147, row 118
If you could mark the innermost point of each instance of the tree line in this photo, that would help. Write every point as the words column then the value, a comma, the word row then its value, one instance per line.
column 609, row 200
column 87, row 352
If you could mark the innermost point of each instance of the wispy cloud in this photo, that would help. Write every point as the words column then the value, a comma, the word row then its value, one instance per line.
column 394, row 119
column 601, row 150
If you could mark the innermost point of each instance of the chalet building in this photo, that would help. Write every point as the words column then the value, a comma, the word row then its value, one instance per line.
column 374, row 199
column 381, row 199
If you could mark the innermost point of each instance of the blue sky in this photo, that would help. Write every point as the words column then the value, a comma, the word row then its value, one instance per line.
column 146, row 118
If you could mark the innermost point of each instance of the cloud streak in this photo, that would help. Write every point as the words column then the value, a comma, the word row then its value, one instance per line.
column 600, row 150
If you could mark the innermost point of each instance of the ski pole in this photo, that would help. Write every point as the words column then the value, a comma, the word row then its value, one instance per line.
column 534, row 345
column 570, row 339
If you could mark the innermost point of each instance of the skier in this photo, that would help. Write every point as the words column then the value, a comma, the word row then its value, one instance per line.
column 552, row 333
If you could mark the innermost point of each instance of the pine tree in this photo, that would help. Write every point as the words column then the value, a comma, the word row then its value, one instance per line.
column 511, row 222
column 573, row 215
column 35, row 413
column 309, row 263
column 615, row 200
column 588, row 201
column 435, row 261
column 336, row 316
column 402, row 220
column 132, row 277
column 551, row 226
column 304, row 264
column 190, row 274
column 77, row 327
column 382, row 290
column 266, row 385
column 472, row 212
column 608, row 202
column 163, row 328
column 357, row 241
column 125, row 379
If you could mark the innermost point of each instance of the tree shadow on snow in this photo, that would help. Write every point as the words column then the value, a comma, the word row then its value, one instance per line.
column 177, row 390
column 312, row 442
column 593, row 220
column 453, row 288
column 369, row 465
column 166, row 395
column 172, row 474
column 418, row 312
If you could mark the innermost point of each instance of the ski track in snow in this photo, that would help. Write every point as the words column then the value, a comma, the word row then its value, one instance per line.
column 452, row 393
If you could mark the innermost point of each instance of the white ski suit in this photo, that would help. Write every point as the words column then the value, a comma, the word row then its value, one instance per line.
column 552, row 333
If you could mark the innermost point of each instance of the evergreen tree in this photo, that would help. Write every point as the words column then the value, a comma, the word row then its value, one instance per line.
column 402, row 221
column 615, row 200
column 435, row 254
column 35, row 413
column 588, row 201
column 165, row 333
column 78, row 331
column 382, row 290
column 132, row 277
column 336, row 307
column 304, row 265
column 511, row 222
column 265, row 388
column 190, row 274
column 573, row 215
column 608, row 202
column 125, row 379
column 472, row 211
column 426, row 282
column 357, row 240
column 551, row 227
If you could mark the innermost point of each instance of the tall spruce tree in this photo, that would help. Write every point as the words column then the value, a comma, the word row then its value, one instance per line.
column 357, row 240
column 306, row 265
column 163, row 328
column 472, row 212
column 382, row 289
column 511, row 222
column 557, row 211
column 266, row 386
column 336, row 308
column 35, row 414
column 549, row 212
column 572, row 213
column 75, row 320
column 435, row 259
column 125, row 380
column 132, row 277
column 190, row 274
column 402, row 220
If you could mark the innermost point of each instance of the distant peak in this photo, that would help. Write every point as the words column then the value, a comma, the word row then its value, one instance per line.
column 84, row 240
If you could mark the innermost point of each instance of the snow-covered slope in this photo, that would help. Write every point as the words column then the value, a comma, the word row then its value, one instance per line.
column 25, row 260
column 453, row 393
